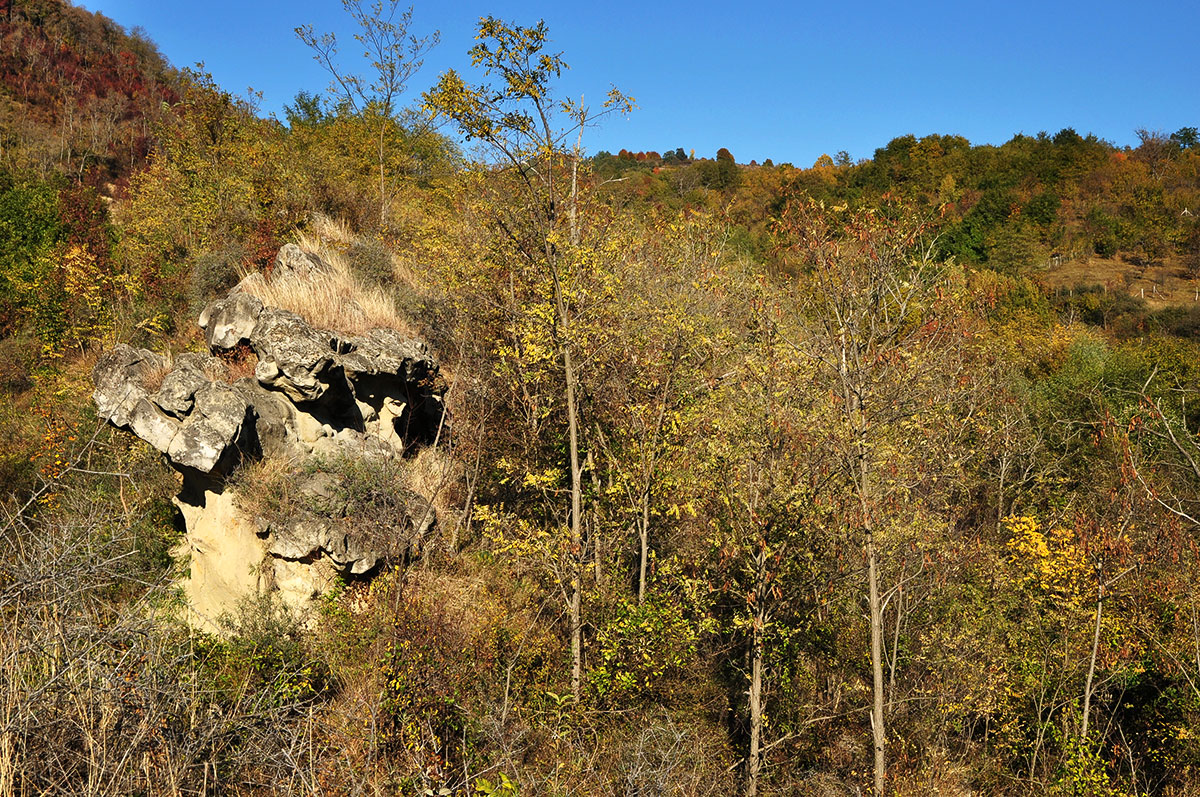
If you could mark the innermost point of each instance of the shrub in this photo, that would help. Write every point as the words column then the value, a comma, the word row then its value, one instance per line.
column 642, row 649
column 265, row 653
column 18, row 357
column 371, row 261
column 213, row 273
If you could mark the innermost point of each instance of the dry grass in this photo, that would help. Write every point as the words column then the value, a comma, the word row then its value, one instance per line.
column 436, row 475
column 1160, row 285
column 152, row 379
column 235, row 364
column 264, row 489
column 336, row 237
column 333, row 231
column 334, row 299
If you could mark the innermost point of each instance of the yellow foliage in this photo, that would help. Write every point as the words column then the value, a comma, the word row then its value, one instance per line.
column 1050, row 560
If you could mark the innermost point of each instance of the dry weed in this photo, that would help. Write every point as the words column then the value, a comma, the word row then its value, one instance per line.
column 334, row 299
column 334, row 231
column 435, row 474
column 153, row 378
column 335, row 237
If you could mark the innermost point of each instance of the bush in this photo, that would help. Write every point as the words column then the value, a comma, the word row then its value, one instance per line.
column 265, row 653
column 213, row 273
column 371, row 261
column 1182, row 322
column 643, row 650
column 18, row 358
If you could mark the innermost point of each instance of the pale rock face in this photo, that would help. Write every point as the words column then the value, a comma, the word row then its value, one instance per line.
column 317, row 397
column 228, row 322
column 226, row 558
column 300, row 583
column 292, row 262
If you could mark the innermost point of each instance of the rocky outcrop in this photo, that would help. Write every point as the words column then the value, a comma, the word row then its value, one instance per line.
column 317, row 401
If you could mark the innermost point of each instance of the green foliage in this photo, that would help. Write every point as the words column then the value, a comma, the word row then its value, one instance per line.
column 30, row 230
column 371, row 260
column 213, row 273
column 642, row 651
column 1084, row 774
column 504, row 787
column 265, row 651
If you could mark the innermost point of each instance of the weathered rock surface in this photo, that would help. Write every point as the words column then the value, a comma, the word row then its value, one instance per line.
column 292, row 262
column 317, row 397
column 228, row 322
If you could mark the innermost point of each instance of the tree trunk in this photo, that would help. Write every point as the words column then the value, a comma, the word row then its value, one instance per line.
column 576, row 527
column 560, row 305
column 644, row 556
column 1087, row 687
column 382, row 182
column 753, row 760
column 877, row 726
column 594, row 529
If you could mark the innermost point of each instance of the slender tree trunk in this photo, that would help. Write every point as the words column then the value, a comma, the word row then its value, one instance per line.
column 1087, row 687
column 891, row 687
column 644, row 556
column 576, row 610
column 877, row 726
column 382, row 183
column 576, row 528
column 594, row 532
column 753, row 761
column 576, row 562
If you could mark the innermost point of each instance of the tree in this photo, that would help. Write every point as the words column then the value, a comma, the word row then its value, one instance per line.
column 1186, row 138
column 768, row 466
column 883, row 336
column 529, row 132
column 395, row 56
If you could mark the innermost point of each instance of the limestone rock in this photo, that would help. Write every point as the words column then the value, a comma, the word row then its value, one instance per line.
column 123, row 377
column 293, row 358
column 212, row 429
column 153, row 425
column 178, row 388
column 225, row 552
column 228, row 321
column 318, row 399
column 292, row 262
column 272, row 416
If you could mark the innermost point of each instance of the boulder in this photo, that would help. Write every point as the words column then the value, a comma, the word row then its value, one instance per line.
column 293, row 357
column 228, row 321
column 123, row 377
column 292, row 262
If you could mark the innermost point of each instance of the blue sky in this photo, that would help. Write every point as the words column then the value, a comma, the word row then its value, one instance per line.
column 787, row 81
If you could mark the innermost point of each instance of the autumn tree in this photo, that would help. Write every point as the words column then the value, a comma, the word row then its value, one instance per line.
column 882, row 332
column 395, row 55
column 537, row 139
column 767, row 464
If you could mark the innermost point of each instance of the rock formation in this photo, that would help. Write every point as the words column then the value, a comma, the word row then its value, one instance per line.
column 319, row 402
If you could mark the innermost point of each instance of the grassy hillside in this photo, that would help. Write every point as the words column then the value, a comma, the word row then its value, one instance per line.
column 756, row 479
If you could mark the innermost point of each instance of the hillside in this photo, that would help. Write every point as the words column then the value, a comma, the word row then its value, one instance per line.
column 340, row 460
column 78, row 94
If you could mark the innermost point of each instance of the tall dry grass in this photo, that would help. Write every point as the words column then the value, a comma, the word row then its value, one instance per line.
column 335, row 235
column 332, row 298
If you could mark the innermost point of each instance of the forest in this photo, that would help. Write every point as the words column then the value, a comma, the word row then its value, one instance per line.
column 875, row 477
